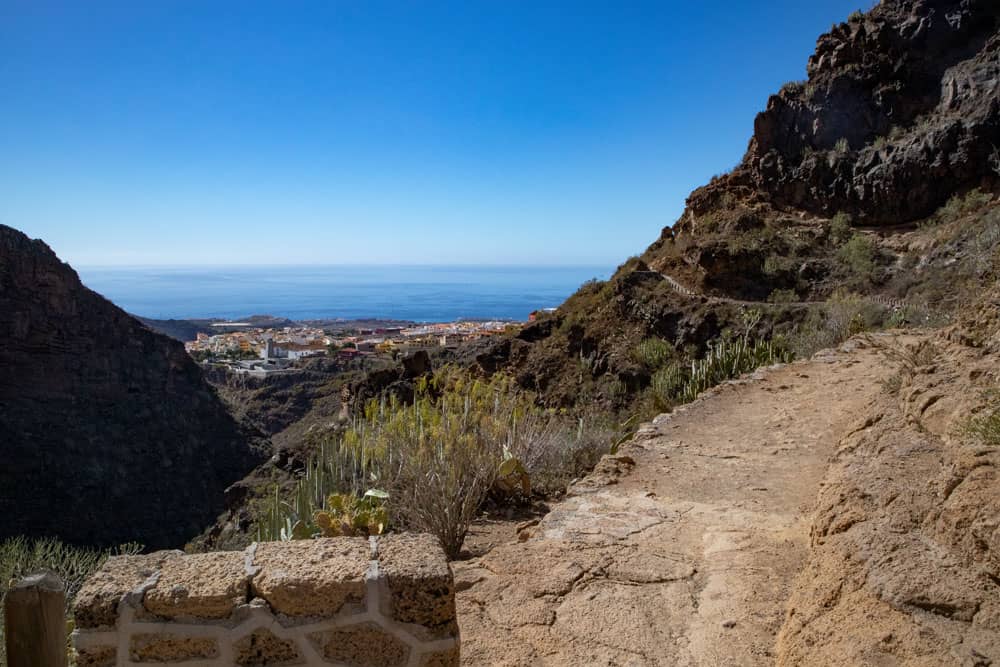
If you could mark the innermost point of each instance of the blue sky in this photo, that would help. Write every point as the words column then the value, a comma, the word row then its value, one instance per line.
column 503, row 132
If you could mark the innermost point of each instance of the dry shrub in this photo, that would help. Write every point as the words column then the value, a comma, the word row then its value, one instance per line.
column 842, row 316
column 555, row 450
column 437, row 458
column 440, row 488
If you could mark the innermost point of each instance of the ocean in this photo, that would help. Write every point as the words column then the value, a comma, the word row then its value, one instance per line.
column 419, row 293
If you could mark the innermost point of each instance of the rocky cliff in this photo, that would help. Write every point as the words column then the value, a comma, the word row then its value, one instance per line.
column 901, row 110
column 875, row 175
column 108, row 432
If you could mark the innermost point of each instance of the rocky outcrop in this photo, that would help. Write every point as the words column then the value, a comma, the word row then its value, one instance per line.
column 900, row 111
column 108, row 432
column 905, row 541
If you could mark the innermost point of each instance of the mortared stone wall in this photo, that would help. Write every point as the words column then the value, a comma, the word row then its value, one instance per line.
column 381, row 602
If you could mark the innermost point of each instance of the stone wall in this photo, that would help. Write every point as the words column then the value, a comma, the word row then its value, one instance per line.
column 384, row 601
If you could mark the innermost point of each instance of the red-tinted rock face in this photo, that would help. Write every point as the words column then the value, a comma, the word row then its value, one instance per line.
column 901, row 110
column 108, row 432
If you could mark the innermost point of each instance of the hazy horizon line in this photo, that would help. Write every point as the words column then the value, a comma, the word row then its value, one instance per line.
column 425, row 265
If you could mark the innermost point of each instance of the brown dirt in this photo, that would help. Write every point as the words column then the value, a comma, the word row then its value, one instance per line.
column 686, row 547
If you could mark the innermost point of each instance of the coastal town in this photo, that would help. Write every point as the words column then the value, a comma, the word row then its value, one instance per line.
column 260, row 351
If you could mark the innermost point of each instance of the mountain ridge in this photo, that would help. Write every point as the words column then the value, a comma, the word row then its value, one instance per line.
column 111, row 434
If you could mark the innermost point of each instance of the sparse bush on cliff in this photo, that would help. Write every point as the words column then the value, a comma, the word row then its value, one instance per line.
column 840, row 227
column 430, row 464
column 858, row 255
column 653, row 353
column 790, row 88
column 959, row 205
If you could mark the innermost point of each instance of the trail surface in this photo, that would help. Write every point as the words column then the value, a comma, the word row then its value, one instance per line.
column 680, row 288
column 683, row 549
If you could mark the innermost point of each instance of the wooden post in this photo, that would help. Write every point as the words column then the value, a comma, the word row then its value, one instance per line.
column 35, row 622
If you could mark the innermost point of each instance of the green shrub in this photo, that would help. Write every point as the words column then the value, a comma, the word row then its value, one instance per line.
column 858, row 255
column 960, row 205
column 842, row 146
column 772, row 265
column 730, row 359
column 653, row 353
column 898, row 318
column 667, row 384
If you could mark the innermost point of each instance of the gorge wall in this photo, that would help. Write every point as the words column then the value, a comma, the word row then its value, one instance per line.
column 108, row 432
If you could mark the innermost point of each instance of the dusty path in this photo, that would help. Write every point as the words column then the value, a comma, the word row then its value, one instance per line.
column 684, row 548
column 678, row 287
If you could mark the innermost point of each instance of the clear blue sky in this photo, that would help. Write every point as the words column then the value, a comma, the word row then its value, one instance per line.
column 502, row 132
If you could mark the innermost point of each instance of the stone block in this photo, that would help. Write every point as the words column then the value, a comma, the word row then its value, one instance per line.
column 167, row 647
column 208, row 585
column 343, row 601
column 311, row 577
column 262, row 647
column 362, row 645
column 446, row 658
column 420, row 583
column 98, row 656
column 96, row 603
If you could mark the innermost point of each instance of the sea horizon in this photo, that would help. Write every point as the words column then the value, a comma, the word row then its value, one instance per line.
column 417, row 292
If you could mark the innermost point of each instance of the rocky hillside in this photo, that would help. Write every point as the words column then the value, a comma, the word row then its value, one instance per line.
column 874, row 177
column 899, row 112
column 110, row 433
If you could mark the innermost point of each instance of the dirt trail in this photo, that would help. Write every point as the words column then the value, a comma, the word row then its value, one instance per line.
column 678, row 287
column 683, row 549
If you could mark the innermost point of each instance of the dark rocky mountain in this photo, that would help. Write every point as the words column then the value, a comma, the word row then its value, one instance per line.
column 900, row 111
column 108, row 431
column 876, row 175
